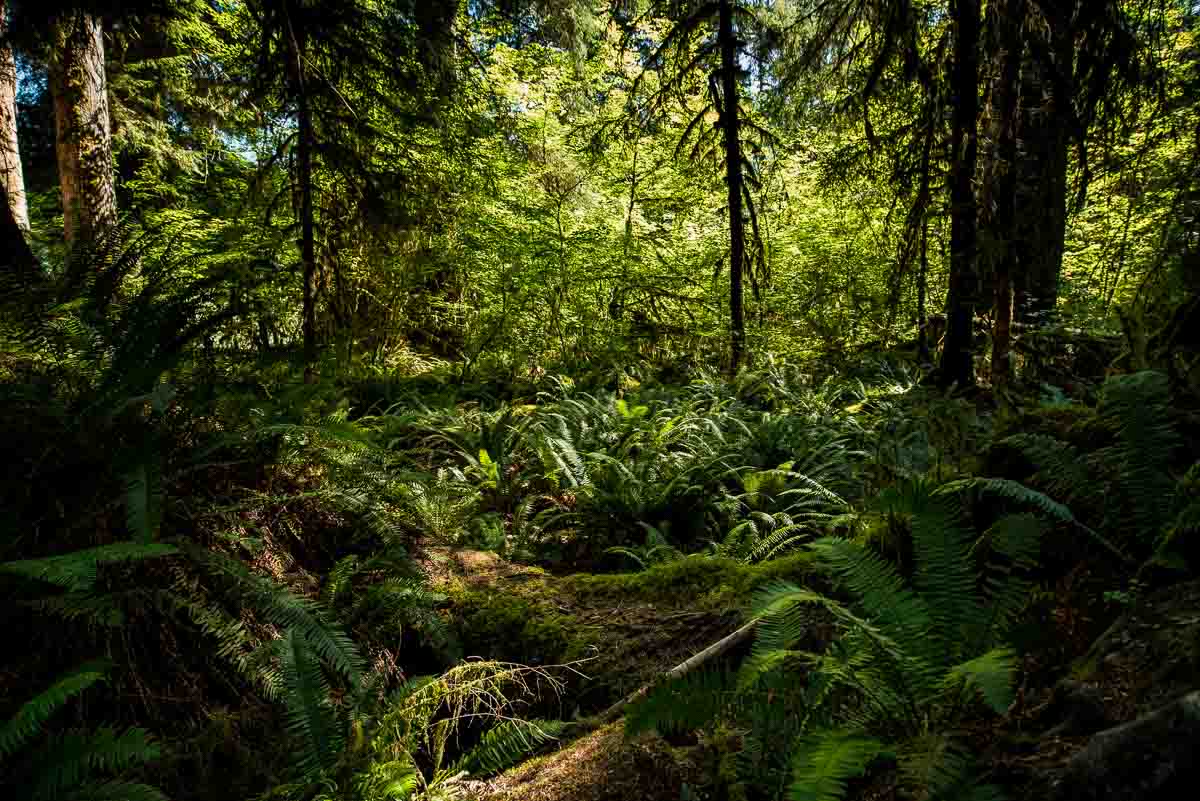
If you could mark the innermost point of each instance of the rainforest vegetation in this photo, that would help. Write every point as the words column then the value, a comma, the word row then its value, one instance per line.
column 599, row 399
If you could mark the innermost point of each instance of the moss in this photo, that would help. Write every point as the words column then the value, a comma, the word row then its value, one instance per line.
column 513, row 628
column 696, row 581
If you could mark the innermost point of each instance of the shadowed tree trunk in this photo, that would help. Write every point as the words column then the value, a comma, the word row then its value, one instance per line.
column 10, row 152
column 731, row 128
column 1006, row 58
column 83, row 136
column 956, row 365
column 1041, row 187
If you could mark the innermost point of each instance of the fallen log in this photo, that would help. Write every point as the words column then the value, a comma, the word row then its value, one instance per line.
column 713, row 651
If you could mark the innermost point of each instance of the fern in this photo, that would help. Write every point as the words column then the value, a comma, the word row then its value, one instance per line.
column 507, row 744
column 991, row 675
column 825, row 761
column 69, row 760
column 944, row 576
column 1128, row 481
column 279, row 606
column 65, row 765
column 311, row 720
column 682, row 704
column 77, row 571
column 19, row 730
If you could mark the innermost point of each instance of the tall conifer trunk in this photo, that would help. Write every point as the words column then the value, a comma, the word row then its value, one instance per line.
column 731, row 128
column 1006, row 55
column 11, row 175
column 1041, row 182
column 956, row 365
column 83, row 135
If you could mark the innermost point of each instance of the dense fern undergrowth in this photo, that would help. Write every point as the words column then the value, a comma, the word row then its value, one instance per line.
column 215, row 587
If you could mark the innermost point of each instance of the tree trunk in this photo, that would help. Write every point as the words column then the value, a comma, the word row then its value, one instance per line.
column 922, row 287
column 731, row 127
column 308, row 249
column 11, row 175
column 956, row 366
column 83, row 136
column 1007, row 48
column 1041, row 175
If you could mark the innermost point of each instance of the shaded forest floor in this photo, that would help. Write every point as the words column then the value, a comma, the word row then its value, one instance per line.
column 637, row 628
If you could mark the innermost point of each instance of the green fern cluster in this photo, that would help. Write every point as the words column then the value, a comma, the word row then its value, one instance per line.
column 912, row 656
column 71, row 765
column 1127, row 483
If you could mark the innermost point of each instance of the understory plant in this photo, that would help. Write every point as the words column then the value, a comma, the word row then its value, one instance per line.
column 904, row 661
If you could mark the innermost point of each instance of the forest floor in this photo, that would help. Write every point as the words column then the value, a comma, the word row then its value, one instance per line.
column 636, row 627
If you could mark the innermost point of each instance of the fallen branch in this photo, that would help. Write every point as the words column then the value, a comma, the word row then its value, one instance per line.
column 711, row 652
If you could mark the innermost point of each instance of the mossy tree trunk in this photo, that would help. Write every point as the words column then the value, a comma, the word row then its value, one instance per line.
column 83, row 134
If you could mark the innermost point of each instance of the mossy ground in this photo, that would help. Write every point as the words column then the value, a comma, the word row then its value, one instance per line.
column 623, row 630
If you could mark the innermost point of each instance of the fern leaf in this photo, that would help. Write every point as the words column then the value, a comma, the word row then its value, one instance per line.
column 69, row 760
column 944, row 575
column 310, row 717
column 118, row 791
column 279, row 606
column 878, row 588
column 18, row 730
column 507, row 744
column 77, row 570
column 991, row 675
column 682, row 704
column 824, row 761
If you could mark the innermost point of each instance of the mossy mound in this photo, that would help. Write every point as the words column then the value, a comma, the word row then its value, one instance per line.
column 697, row 582
column 622, row 630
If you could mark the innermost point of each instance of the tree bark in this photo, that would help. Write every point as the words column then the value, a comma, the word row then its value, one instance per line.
column 731, row 128
column 11, row 175
column 1041, row 177
column 956, row 366
column 83, row 135
column 1006, row 54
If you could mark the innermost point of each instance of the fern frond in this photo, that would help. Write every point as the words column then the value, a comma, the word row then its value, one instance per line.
column 507, row 744
column 935, row 766
column 878, row 587
column 339, row 579
column 1014, row 542
column 824, row 761
column 991, row 675
column 69, row 760
column 18, row 730
column 117, row 791
column 1019, row 493
column 77, row 570
column 279, row 606
column 1014, row 491
column 310, row 717
column 944, row 576
column 682, row 704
